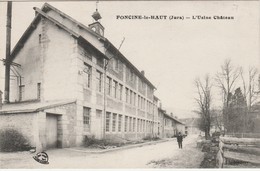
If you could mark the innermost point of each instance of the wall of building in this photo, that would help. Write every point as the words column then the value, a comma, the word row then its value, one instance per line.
column 30, row 58
column 60, row 67
column 76, row 28
column 25, row 123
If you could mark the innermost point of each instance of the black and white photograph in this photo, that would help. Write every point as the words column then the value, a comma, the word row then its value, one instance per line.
column 130, row 84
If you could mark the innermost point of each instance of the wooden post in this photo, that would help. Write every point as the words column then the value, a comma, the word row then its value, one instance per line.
column 7, row 52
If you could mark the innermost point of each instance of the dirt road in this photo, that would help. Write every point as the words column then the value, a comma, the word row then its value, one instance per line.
column 161, row 155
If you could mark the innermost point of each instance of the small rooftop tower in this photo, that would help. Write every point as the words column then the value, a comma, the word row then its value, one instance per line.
column 96, row 26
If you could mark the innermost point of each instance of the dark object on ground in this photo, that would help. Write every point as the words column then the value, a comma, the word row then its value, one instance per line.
column 103, row 143
column 150, row 138
column 12, row 140
column 211, row 149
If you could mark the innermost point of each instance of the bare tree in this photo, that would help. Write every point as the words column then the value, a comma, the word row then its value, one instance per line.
column 250, row 93
column 204, row 103
column 225, row 81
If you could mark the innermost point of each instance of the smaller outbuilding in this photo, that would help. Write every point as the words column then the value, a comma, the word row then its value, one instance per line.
column 169, row 126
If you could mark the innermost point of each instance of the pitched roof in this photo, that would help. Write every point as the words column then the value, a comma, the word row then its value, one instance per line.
column 107, row 43
column 32, row 26
column 169, row 116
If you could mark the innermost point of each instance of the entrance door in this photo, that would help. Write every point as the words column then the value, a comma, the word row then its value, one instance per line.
column 51, row 131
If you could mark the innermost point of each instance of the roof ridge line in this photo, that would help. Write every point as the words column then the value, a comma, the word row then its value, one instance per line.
column 71, row 19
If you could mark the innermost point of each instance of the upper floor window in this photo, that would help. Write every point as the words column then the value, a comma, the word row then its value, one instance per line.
column 100, row 62
column 131, row 75
column 99, row 81
column 116, row 64
column 109, row 84
column 85, row 53
column 126, row 95
column 120, row 91
column 87, row 75
column 115, row 84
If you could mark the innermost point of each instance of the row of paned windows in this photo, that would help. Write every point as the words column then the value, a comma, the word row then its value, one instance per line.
column 131, row 124
column 113, row 88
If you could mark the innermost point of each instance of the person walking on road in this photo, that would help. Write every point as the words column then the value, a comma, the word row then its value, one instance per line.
column 179, row 139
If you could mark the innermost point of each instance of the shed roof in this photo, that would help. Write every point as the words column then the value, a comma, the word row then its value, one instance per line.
column 29, row 107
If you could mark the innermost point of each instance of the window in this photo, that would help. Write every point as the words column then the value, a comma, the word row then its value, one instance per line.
column 141, row 125
column 107, row 121
column 133, row 124
column 119, row 123
column 99, row 81
column 108, row 87
column 131, row 97
column 126, row 95
column 115, row 89
column 116, row 64
column 21, row 92
column 120, row 91
column 114, row 122
column 134, row 97
column 39, row 91
column 130, row 124
column 131, row 75
column 139, row 102
column 86, row 118
column 138, row 125
column 126, row 121
column 86, row 75
column 100, row 62
column 85, row 53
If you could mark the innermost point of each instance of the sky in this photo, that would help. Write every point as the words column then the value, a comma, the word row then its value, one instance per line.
column 171, row 52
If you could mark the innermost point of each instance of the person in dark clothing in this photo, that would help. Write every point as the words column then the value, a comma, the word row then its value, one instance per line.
column 179, row 139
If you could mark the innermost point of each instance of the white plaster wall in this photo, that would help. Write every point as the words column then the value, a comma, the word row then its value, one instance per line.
column 30, row 59
column 60, row 67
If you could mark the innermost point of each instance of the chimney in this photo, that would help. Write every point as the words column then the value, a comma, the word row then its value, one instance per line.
column 142, row 72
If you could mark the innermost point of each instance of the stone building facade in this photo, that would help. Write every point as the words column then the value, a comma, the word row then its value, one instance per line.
column 76, row 84
column 168, row 125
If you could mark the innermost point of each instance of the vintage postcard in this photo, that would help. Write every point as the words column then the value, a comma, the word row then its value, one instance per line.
column 129, row 84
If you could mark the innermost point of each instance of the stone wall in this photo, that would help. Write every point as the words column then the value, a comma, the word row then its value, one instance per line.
column 25, row 123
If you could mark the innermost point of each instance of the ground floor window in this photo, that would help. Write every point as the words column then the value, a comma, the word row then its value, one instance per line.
column 119, row 123
column 108, row 121
column 86, row 118
column 133, row 124
column 126, row 121
column 137, row 125
column 114, row 122
column 130, row 124
column 143, row 125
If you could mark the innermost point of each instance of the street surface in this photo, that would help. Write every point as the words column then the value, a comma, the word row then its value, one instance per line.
column 161, row 155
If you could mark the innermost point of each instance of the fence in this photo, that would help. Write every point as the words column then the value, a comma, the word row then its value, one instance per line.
column 240, row 149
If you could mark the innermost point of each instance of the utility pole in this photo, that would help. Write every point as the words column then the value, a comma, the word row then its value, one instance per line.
column 7, row 52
